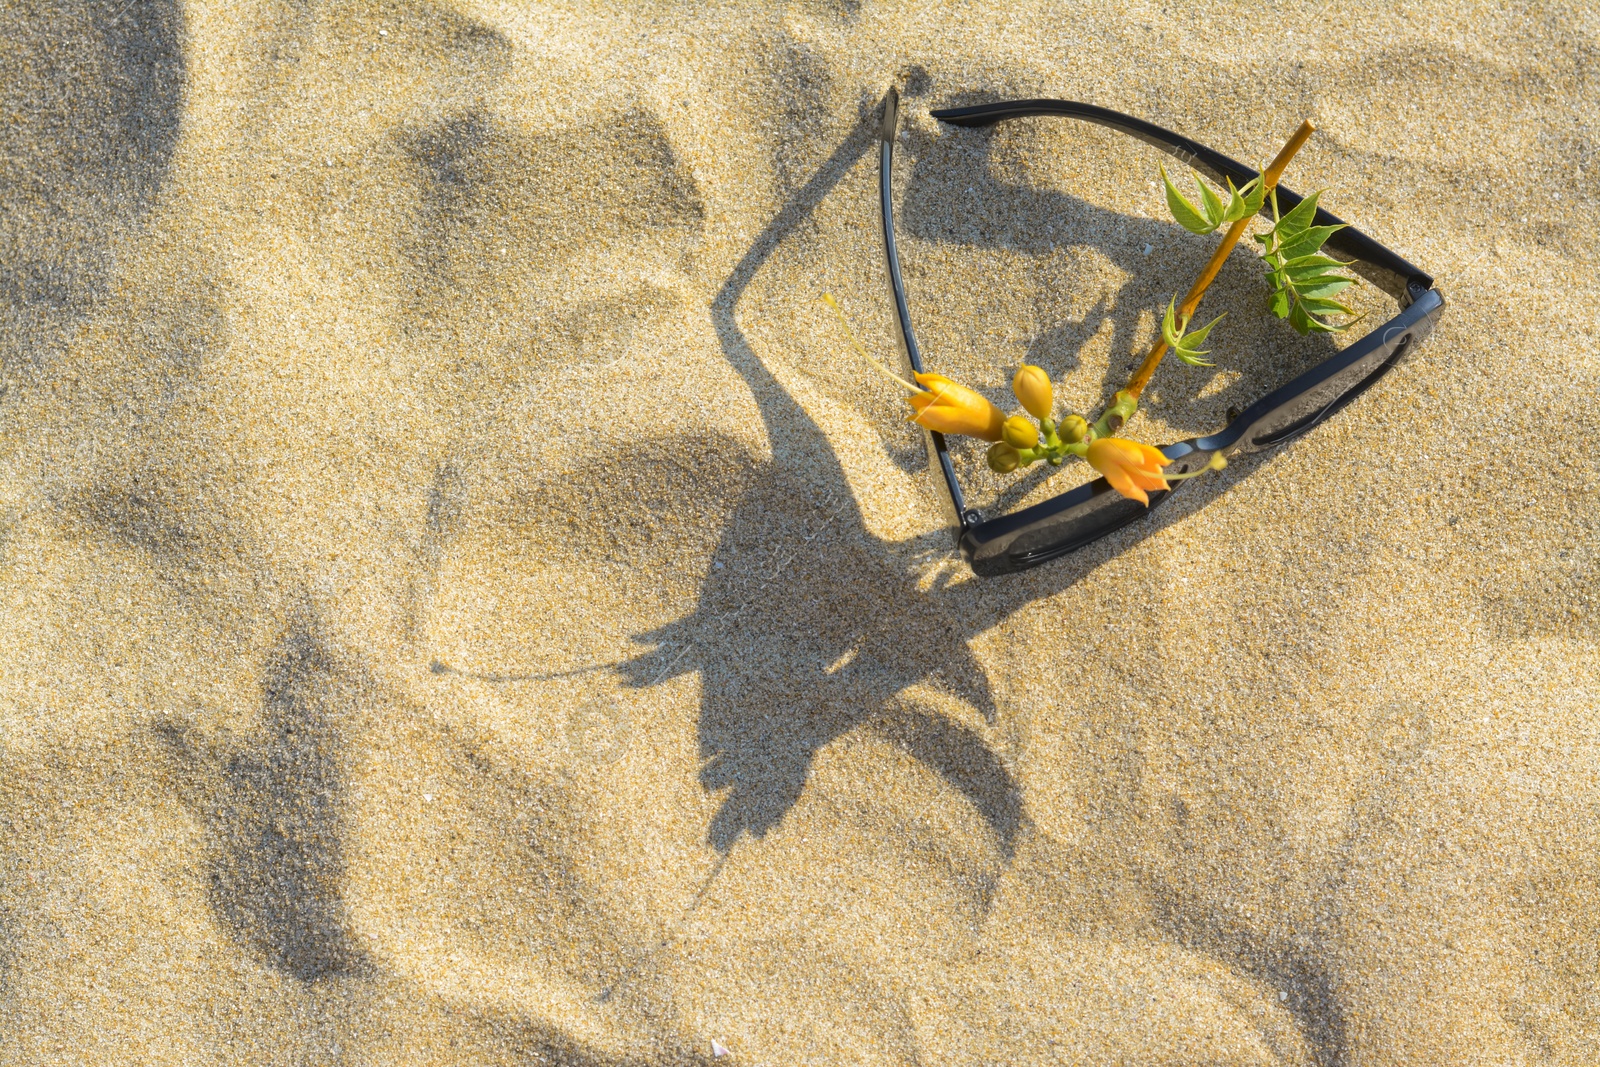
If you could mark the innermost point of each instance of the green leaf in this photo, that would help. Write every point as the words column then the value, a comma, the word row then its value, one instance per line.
column 1195, row 338
column 1190, row 354
column 1299, row 319
column 1321, row 286
column 1170, row 331
column 1323, row 306
column 1307, row 242
column 1316, row 261
column 1304, row 284
column 1255, row 194
column 1306, row 266
column 1209, row 201
column 1300, row 218
column 1242, row 203
column 1187, row 215
column 1278, row 301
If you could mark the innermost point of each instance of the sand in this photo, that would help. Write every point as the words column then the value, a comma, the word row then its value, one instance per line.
column 462, row 602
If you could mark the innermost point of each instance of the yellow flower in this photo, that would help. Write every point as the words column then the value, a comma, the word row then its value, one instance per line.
column 1129, row 466
column 1032, row 386
column 949, row 407
column 1019, row 432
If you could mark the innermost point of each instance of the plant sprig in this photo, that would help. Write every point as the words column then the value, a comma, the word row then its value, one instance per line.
column 1254, row 191
column 1303, row 289
column 1302, row 279
column 1186, row 345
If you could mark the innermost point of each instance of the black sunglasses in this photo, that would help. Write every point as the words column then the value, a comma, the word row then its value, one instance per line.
column 1067, row 522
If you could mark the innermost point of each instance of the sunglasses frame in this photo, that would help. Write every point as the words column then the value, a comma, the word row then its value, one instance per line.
column 1080, row 516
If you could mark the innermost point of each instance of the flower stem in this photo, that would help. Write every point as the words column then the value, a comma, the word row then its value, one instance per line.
column 861, row 349
column 1270, row 176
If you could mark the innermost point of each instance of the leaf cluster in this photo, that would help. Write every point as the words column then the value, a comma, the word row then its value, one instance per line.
column 1302, row 279
column 1211, row 212
column 1185, row 345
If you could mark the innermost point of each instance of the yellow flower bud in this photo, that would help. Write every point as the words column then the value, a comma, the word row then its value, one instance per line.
column 1032, row 386
column 1074, row 428
column 1019, row 432
column 950, row 407
column 1130, row 466
column 1003, row 459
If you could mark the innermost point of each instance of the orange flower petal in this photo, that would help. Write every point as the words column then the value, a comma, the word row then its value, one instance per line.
column 1151, row 455
column 1129, row 466
column 1145, row 480
column 1120, row 481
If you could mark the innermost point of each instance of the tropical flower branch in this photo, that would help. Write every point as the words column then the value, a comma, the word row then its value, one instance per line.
column 1302, row 287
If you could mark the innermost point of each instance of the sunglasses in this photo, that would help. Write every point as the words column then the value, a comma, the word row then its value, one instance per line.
column 1025, row 538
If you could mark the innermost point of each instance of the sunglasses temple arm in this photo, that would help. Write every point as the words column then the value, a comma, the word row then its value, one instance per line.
column 938, row 455
column 1383, row 268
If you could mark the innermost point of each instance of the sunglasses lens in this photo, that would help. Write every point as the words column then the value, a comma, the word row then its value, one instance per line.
column 1067, row 530
column 1310, row 407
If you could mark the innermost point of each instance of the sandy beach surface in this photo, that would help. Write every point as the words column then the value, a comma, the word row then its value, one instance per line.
column 462, row 602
